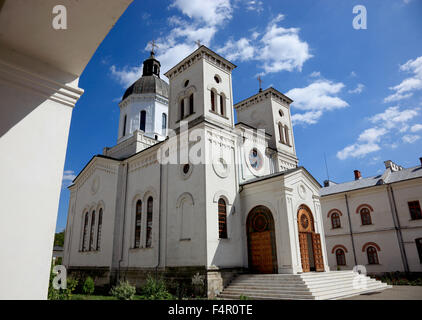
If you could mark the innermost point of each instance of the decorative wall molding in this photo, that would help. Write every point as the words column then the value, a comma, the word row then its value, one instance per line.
column 59, row 92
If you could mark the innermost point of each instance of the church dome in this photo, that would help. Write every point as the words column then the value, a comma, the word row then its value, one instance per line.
column 150, row 82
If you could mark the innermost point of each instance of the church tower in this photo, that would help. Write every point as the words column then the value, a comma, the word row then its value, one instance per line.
column 270, row 110
column 201, row 88
column 144, row 106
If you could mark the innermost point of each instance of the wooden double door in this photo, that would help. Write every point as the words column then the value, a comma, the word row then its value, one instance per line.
column 309, row 241
column 261, row 241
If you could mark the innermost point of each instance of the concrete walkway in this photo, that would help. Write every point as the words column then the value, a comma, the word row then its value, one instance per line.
column 395, row 293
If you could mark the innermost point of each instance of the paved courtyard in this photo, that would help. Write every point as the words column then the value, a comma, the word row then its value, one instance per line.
column 395, row 293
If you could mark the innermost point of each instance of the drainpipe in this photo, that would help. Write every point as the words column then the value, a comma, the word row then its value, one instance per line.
column 124, row 220
column 159, row 222
column 397, row 226
column 351, row 230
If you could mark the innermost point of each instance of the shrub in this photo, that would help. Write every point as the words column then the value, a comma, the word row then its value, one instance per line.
column 89, row 286
column 123, row 291
column 155, row 289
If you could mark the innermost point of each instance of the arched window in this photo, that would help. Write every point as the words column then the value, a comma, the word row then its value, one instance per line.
column 182, row 108
column 222, row 219
column 415, row 210
column 163, row 124
column 340, row 257
column 212, row 100
column 143, row 120
column 335, row 220
column 124, row 125
column 92, row 232
column 419, row 248
column 372, row 255
column 100, row 224
column 286, row 135
column 138, row 224
column 365, row 216
column 85, row 233
column 281, row 133
column 149, row 222
column 191, row 103
column 222, row 105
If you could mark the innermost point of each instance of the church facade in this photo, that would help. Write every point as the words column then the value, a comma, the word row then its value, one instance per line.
column 186, row 192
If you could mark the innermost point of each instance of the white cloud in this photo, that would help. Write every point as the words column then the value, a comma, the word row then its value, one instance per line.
column 208, row 12
column 357, row 150
column 127, row 75
column 201, row 21
column 310, row 117
column 409, row 138
column 239, row 50
column 316, row 98
column 253, row 5
column 280, row 49
column 392, row 116
column 416, row 127
column 315, row 74
column 359, row 88
column 68, row 177
column 409, row 85
column 387, row 123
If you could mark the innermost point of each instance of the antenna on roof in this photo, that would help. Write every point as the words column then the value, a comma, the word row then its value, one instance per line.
column 326, row 167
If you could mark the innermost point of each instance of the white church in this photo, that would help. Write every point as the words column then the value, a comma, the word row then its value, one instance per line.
column 187, row 193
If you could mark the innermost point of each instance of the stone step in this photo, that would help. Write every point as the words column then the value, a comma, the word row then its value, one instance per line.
column 329, row 291
column 287, row 281
column 266, row 291
column 266, row 297
column 349, row 293
column 320, row 286
column 271, row 287
column 328, row 286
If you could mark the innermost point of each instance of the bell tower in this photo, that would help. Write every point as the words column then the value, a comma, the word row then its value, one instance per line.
column 144, row 106
column 269, row 109
column 201, row 88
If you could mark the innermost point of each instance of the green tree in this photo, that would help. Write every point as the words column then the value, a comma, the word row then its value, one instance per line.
column 59, row 239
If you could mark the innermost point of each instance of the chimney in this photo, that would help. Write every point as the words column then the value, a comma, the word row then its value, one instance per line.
column 357, row 175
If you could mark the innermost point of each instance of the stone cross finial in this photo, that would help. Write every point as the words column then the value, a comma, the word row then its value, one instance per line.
column 153, row 46
column 198, row 43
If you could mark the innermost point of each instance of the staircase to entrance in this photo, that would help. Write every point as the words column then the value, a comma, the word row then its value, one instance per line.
column 305, row 286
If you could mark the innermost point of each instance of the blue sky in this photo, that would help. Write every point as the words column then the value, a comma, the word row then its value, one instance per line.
column 357, row 93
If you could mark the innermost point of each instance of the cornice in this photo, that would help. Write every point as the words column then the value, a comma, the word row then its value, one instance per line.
column 139, row 97
column 201, row 53
column 269, row 93
column 30, row 81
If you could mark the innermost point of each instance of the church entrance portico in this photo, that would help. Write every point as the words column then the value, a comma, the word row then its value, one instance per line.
column 309, row 241
column 260, row 231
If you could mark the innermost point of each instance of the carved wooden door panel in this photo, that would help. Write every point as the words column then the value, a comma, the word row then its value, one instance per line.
column 261, row 252
column 316, row 246
column 304, row 253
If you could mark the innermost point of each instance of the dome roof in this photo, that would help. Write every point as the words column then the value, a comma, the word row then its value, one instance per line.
column 150, row 82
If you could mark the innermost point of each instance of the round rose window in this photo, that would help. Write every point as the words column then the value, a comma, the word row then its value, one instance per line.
column 255, row 159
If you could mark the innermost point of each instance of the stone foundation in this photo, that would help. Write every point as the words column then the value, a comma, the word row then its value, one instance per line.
column 218, row 279
column 180, row 281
